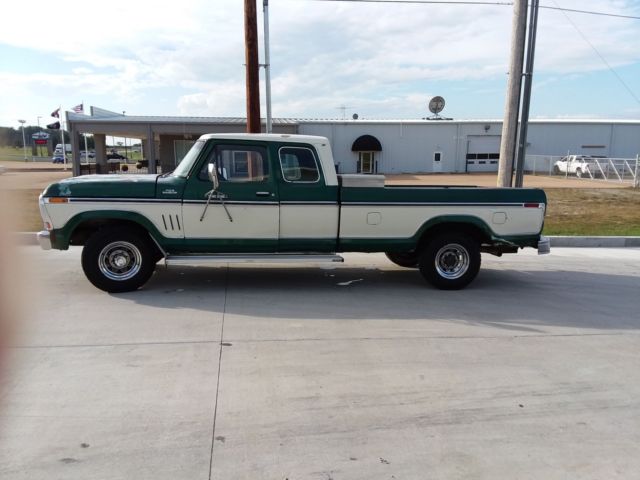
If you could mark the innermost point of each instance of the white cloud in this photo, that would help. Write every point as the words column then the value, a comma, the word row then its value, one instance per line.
column 374, row 56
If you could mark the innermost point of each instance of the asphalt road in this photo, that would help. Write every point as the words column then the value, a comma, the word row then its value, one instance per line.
column 358, row 371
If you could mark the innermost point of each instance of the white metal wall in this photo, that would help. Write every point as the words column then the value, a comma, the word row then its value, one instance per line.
column 409, row 147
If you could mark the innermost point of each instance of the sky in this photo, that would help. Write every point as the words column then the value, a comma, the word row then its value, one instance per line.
column 382, row 61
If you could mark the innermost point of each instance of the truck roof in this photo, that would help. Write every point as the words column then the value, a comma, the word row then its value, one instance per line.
column 267, row 137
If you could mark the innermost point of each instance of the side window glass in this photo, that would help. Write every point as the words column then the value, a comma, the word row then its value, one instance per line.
column 299, row 165
column 238, row 164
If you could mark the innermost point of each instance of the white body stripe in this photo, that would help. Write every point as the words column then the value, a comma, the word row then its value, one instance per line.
column 404, row 221
column 250, row 221
column 308, row 221
column 312, row 221
column 61, row 213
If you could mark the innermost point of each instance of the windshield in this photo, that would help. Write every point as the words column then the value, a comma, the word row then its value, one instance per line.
column 184, row 167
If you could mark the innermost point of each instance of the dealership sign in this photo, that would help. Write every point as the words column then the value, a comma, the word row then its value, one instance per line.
column 40, row 138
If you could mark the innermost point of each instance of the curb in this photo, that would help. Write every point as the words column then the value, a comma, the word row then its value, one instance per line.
column 29, row 238
column 594, row 242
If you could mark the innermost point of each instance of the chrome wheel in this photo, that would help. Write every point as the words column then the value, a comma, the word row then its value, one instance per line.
column 120, row 261
column 452, row 261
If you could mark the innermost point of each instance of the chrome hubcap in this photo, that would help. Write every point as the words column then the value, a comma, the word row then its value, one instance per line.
column 452, row 261
column 120, row 261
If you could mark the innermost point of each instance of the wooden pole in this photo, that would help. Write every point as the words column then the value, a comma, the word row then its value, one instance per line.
column 514, row 85
column 253, row 66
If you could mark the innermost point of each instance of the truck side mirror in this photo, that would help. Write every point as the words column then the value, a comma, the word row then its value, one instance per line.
column 213, row 176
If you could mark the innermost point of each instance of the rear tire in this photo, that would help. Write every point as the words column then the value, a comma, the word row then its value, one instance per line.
column 404, row 259
column 450, row 261
column 118, row 260
column 578, row 173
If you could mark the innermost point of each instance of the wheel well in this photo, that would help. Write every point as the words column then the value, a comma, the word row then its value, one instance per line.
column 88, row 227
column 468, row 229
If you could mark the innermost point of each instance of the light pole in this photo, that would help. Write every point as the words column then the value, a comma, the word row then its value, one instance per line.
column 38, row 151
column 267, row 64
column 24, row 143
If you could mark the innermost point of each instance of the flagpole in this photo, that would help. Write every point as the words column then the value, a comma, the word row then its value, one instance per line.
column 64, row 148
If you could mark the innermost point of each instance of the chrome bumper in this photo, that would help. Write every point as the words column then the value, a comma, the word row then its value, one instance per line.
column 544, row 246
column 44, row 239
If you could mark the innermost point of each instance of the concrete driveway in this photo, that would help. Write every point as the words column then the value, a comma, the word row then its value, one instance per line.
column 359, row 371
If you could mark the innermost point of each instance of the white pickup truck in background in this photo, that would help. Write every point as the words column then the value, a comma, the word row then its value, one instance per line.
column 578, row 165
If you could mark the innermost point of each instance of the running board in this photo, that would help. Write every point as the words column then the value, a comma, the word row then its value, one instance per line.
column 200, row 260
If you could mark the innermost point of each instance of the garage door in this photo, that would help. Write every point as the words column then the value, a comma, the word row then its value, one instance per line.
column 483, row 153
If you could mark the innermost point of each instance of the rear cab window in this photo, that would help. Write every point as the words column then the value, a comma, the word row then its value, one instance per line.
column 299, row 165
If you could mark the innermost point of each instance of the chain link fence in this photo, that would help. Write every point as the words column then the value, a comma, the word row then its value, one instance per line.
column 621, row 170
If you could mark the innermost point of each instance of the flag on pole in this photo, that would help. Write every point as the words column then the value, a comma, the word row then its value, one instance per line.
column 79, row 108
column 54, row 126
column 56, row 113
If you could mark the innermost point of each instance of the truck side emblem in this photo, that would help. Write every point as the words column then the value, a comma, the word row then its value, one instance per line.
column 169, row 191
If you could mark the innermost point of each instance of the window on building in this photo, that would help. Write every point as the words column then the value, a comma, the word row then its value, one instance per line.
column 238, row 164
column 299, row 165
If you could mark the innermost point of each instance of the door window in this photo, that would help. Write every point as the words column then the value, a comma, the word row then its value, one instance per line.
column 299, row 165
column 239, row 164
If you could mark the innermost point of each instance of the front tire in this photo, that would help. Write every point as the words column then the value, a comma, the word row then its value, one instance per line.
column 404, row 259
column 579, row 173
column 450, row 261
column 118, row 260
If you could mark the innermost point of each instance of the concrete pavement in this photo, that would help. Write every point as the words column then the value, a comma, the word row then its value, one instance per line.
column 354, row 371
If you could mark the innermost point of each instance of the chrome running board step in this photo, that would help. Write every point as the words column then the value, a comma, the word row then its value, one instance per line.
column 200, row 260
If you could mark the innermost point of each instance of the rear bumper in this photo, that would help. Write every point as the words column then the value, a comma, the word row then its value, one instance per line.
column 44, row 239
column 544, row 246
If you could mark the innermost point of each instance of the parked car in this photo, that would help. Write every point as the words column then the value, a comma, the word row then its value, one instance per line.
column 57, row 158
column 256, row 198
column 115, row 156
column 83, row 154
column 578, row 165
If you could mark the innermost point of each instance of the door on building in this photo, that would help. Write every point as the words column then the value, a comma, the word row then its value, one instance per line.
column 483, row 153
column 367, row 162
column 250, row 199
column 437, row 162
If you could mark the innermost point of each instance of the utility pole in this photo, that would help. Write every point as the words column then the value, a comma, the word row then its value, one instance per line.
column 252, row 66
column 526, row 99
column 267, row 64
column 514, row 86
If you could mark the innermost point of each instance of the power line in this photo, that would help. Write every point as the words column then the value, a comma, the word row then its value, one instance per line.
column 500, row 4
column 589, row 12
column 604, row 60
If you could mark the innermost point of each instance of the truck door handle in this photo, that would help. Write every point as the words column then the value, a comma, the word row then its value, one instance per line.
column 263, row 194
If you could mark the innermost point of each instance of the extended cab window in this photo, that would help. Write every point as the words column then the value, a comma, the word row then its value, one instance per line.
column 299, row 165
column 239, row 164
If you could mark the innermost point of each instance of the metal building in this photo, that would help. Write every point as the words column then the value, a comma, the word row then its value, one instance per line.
column 425, row 146
column 367, row 146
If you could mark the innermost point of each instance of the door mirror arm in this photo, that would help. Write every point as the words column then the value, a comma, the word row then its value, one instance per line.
column 212, row 172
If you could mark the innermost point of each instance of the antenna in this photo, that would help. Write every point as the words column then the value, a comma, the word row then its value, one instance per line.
column 343, row 109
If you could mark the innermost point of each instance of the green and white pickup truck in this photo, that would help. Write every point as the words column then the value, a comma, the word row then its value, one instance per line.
column 277, row 198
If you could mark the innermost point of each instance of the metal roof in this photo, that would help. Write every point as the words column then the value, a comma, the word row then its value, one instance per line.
column 79, row 118
column 112, row 117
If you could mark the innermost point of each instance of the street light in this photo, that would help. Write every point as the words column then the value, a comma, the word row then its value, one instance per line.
column 24, row 143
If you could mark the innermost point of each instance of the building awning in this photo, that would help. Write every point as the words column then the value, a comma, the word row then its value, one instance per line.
column 366, row 143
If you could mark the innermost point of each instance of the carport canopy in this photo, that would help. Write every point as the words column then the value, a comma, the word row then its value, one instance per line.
column 366, row 143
